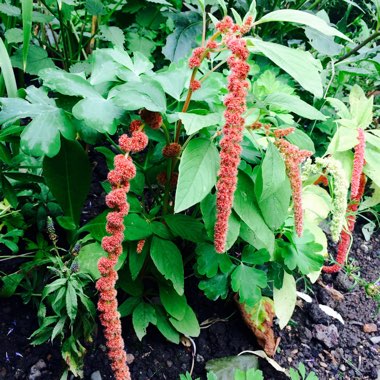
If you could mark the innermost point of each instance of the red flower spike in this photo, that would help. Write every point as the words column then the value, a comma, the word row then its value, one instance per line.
column 196, row 58
column 171, row 150
column 135, row 125
column 345, row 236
column 235, row 103
column 140, row 246
column 107, row 305
column 358, row 163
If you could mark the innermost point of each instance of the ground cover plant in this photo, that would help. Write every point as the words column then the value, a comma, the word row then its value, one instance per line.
column 239, row 144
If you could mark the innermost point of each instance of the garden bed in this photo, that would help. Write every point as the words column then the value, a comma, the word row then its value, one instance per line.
column 348, row 352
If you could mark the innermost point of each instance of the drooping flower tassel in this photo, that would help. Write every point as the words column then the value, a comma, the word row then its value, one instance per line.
column 235, row 103
column 345, row 236
column 358, row 164
column 119, row 178
column 293, row 157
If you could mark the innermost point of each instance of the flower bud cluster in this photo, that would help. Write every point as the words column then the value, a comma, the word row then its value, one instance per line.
column 119, row 178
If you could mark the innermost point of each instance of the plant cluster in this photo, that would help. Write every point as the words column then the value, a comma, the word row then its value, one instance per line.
column 231, row 154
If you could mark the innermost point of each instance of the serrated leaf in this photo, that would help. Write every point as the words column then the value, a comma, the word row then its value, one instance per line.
column 248, row 282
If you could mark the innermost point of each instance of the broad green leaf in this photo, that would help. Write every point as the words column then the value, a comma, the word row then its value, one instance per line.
column 9, row 284
column 168, row 260
column 302, row 140
column 68, row 176
column 245, row 206
column 294, row 104
column 188, row 25
column 164, row 326
column 89, row 256
column 174, row 78
column 26, row 10
column 8, row 192
column 113, row 34
column 272, row 189
column 98, row 113
column 197, row 173
column 42, row 135
column 304, row 18
column 186, row 227
column 209, row 262
column 300, row 252
column 216, row 286
column 142, row 316
column 193, row 122
column 136, row 95
column 251, row 256
column 136, row 227
column 360, row 107
column 173, row 303
column 127, row 307
column 299, row 64
column 285, row 300
column 94, row 7
column 68, row 84
column 7, row 71
column 10, row 10
column 188, row 325
column 343, row 139
column 316, row 203
column 36, row 61
column 208, row 208
column 96, row 227
column 137, row 260
column 248, row 282
column 71, row 301
column 372, row 157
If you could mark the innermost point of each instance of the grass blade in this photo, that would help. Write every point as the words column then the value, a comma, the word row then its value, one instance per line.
column 7, row 71
column 27, row 9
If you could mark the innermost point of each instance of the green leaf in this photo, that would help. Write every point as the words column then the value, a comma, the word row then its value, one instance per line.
column 300, row 252
column 66, row 222
column 294, row 104
column 136, row 227
column 302, row 140
column 299, row 64
column 174, row 78
column 173, row 303
column 258, row 233
column 165, row 328
column 142, row 315
column 251, row 256
column 68, row 83
column 7, row 71
column 185, row 227
column 127, row 307
column 197, row 173
column 248, row 281
column 112, row 34
column 360, row 107
column 209, row 262
column 26, row 11
column 137, row 260
column 168, row 260
column 188, row 25
column 96, row 227
column 71, row 301
column 193, row 122
column 272, row 188
column 224, row 368
column 208, row 208
column 9, row 284
column 37, row 60
column 136, row 95
column 304, row 18
column 94, row 7
column 285, row 300
column 42, row 135
column 68, row 176
column 8, row 191
column 215, row 287
column 98, row 113
column 188, row 325
column 10, row 10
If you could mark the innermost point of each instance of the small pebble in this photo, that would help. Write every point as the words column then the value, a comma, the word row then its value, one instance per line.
column 96, row 376
column 342, row 367
column 375, row 339
column 369, row 327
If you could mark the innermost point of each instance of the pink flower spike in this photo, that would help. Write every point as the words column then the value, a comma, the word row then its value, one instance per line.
column 358, row 163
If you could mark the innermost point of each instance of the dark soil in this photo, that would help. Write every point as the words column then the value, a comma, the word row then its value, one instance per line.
column 351, row 356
